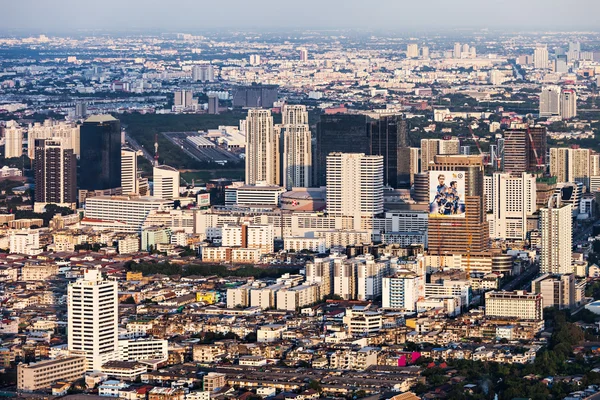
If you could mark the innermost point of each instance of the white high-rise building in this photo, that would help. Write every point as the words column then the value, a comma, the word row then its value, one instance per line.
column 320, row 272
column 254, row 59
column 294, row 115
column 550, row 101
column 412, row 50
column 68, row 132
column 540, row 57
column 129, row 181
column 262, row 148
column 402, row 291
column 571, row 165
column 13, row 140
column 369, row 275
column 568, row 104
column 556, row 237
column 93, row 313
column 203, row 73
column 457, row 50
column 354, row 185
column 166, row 182
column 297, row 147
column 344, row 278
column 512, row 200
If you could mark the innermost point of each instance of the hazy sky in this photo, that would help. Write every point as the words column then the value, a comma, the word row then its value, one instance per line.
column 39, row 16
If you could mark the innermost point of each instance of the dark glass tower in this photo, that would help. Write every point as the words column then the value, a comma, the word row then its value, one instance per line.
column 55, row 173
column 100, row 160
column 388, row 138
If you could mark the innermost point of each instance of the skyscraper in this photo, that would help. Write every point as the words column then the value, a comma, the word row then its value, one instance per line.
column 412, row 50
column 457, row 50
column 568, row 104
column 303, row 54
column 13, row 140
column 550, row 101
column 296, row 143
column 129, row 181
column 354, row 185
column 557, row 235
column 183, row 98
column 389, row 138
column 55, row 174
column 213, row 104
column 540, row 57
column 524, row 148
column 294, row 115
column 92, row 318
column 67, row 132
column 262, row 148
column 166, row 182
column 432, row 147
column 203, row 73
column 100, row 153
column 571, row 165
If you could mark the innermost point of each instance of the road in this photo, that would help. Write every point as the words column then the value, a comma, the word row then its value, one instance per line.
column 522, row 281
column 136, row 146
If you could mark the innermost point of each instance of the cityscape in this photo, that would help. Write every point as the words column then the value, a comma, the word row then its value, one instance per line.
column 234, row 211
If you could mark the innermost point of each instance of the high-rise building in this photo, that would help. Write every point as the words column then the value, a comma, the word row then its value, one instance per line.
column 354, row 185
column 556, row 237
column 540, row 57
column 432, row 147
column 461, row 235
column 101, row 153
column 415, row 163
column 297, row 156
column 524, row 148
column 568, row 104
column 402, row 290
column 561, row 64
column 303, row 54
column 55, row 174
column 213, row 104
column 550, row 101
column 556, row 290
column 81, row 109
column 254, row 59
column 92, row 304
column 166, row 182
column 425, row 52
column 457, row 50
column 344, row 133
column 344, row 278
column 320, row 272
column 255, row 96
column 388, row 136
column 294, row 115
column 13, row 140
column 67, row 132
column 369, row 274
column 512, row 200
column 412, row 50
column 129, row 174
column 183, row 98
column 262, row 149
column 571, row 165
column 203, row 73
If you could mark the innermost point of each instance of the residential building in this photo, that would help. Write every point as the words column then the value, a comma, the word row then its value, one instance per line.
column 556, row 237
column 517, row 304
column 166, row 182
column 13, row 140
column 550, row 101
column 402, row 290
column 568, row 104
column 129, row 173
column 556, row 290
column 262, row 148
column 43, row 374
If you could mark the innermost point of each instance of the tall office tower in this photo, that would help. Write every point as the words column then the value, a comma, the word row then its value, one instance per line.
column 344, row 133
column 92, row 318
column 166, row 182
column 303, row 52
column 561, row 64
column 415, row 163
column 213, row 104
column 540, row 57
column 571, row 165
column 129, row 174
column 183, row 98
column 297, row 156
column 389, row 138
column 81, row 109
column 100, row 153
column 524, row 148
column 425, row 52
column 457, row 50
column 294, row 115
column 354, row 185
column 512, row 200
column 55, row 174
column 67, row 132
column 13, row 140
column 568, row 104
column 203, row 73
column 550, row 101
column 254, row 59
column 556, row 237
column 262, row 149
column 459, row 234
column 344, row 278
column 574, row 50
column 412, row 50
column 320, row 272
column 432, row 147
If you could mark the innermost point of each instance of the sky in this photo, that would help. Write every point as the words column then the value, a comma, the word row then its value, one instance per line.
column 71, row 16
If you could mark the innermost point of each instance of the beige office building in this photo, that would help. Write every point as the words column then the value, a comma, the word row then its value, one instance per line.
column 43, row 374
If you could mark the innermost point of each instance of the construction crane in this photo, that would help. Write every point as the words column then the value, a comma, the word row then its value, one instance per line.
column 476, row 140
column 538, row 159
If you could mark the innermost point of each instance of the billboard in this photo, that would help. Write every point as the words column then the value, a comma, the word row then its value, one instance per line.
column 204, row 199
column 446, row 194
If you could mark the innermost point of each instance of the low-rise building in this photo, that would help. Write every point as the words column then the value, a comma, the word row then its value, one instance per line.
column 43, row 374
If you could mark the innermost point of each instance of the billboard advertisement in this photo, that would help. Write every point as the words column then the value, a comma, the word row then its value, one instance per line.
column 446, row 194
column 204, row 199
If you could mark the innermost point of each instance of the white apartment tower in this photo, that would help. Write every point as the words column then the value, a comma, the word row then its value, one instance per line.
column 571, row 165
column 512, row 200
column 412, row 50
column 262, row 148
column 166, row 182
column 568, row 104
column 320, row 272
column 550, row 101
column 13, row 140
column 344, row 278
column 354, row 185
column 129, row 182
column 540, row 57
column 556, row 237
column 297, row 148
column 68, row 132
column 92, row 318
